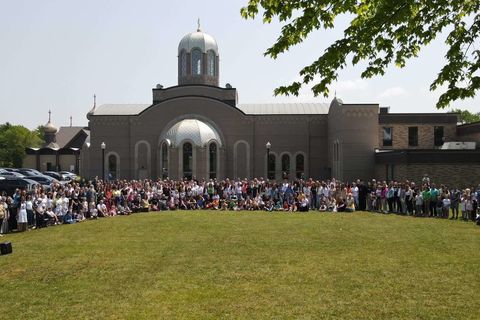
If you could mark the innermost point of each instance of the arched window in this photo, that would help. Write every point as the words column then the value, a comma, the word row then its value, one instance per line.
column 211, row 63
column 183, row 63
column 285, row 166
column 196, row 62
column 164, row 160
column 271, row 166
column 212, row 160
column 299, row 166
column 112, row 167
column 187, row 160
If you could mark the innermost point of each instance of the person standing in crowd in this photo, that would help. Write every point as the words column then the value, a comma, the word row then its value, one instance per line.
column 426, row 200
column 455, row 196
column 30, row 212
column 419, row 206
column 433, row 201
column 12, row 214
column 409, row 196
column 355, row 194
column 22, row 219
column 390, row 197
column 3, row 217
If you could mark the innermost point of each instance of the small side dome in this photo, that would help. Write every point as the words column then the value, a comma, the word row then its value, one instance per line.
column 200, row 40
column 49, row 127
column 193, row 130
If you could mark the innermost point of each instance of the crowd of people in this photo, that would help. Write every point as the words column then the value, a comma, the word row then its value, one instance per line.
column 77, row 201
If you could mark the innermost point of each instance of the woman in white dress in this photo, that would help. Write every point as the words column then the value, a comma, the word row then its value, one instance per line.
column 22, row 216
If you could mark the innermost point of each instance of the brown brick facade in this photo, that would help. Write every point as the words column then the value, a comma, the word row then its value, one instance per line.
column 425, row 135
column 453, row 175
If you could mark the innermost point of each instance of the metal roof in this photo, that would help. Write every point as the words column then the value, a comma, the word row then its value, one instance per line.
column 66, row 134
column 200, row 40
column 250, row 109
column 192, row 129
column 284, row 108
column 120, row 109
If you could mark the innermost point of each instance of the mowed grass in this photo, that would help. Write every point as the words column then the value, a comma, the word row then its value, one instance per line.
column 244, row 265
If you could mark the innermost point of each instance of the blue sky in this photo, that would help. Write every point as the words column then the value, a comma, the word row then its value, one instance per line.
column 55, row 54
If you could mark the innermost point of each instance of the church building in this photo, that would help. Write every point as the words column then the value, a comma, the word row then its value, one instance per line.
column 198, row 129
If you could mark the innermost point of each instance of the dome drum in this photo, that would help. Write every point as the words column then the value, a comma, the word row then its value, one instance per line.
column 198, row 60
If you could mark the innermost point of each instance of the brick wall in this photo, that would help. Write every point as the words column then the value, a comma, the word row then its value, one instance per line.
column 460, row 175
column 475, row 137
column 425, row 135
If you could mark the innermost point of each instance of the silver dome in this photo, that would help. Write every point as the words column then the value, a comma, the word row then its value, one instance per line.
column 199, row 40
column 50, row 128
column 191, row 129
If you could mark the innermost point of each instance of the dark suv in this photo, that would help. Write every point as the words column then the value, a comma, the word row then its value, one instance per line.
column 10, row 185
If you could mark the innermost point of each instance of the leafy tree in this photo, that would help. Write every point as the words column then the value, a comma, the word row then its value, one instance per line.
column 39, row 132
column 380, row 33
column 13, row 141
column 467, row 116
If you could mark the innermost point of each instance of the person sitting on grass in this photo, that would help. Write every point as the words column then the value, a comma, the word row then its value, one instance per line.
column 303, row 203
column 323, row 206
column 331, row 204
column 145, row 204
column 68, row 218
column 200, row 202
column 350, row 203
column 277, row 206
column 92, row 209
column 171, row 203
column 215, row 201
column 269, row 206
column 222, row 205
column 79, row 216
column 102, row 209
column 113, row 210
column 341, row 205
column 231, row 204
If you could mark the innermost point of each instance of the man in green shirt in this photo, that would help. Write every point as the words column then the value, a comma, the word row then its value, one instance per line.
column 426, row 201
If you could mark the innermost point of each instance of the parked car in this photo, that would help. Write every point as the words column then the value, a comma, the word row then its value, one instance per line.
column 29, row 172
column 9, row 185
column 70, row 175
column 44, row 180
column 10, row 174
column 54, row 174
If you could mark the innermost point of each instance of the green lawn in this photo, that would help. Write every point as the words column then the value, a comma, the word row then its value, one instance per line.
column 248, row 265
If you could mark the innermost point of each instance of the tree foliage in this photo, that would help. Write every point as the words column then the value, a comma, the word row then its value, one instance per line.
column 13, row 141
column 467, row 116
column 380, row 33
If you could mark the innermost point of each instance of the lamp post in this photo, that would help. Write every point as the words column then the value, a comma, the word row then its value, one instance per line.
column 103, row 146
column 268, row 145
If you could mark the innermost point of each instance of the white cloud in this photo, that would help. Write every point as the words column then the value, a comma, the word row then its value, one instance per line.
column 392, row 93
column 350, row 85
column 342, row 88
